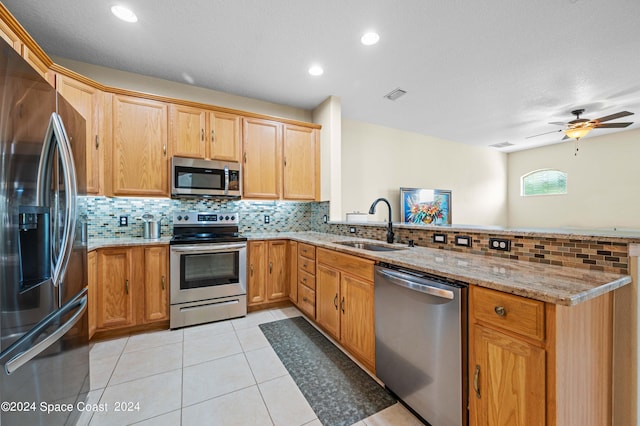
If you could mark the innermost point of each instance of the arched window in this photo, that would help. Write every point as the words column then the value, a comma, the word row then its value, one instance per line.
column 544, row 182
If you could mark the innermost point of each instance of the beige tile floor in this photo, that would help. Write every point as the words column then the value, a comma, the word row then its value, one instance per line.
column 223, row 373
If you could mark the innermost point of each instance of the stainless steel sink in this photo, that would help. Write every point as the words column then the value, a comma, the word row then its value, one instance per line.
column 368, row 246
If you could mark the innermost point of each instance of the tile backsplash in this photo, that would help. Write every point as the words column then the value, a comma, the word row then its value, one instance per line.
column 103, row 214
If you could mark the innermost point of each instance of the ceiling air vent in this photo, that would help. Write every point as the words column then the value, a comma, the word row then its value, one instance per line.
column 395, row 94
column 501, row 145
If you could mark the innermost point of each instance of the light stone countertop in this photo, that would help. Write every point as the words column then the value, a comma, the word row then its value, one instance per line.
column 98, row 243
column 548, row 283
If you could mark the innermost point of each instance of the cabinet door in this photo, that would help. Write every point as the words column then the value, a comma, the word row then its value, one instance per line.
column 507, row 381
column 139, row 158
column 278, row 270
column 92, row 270
column 187, row 129
column 293, row 271
column 10, row 37
column 257, row 265
column 115, row 292
column 300, row 171
column 328, row 299
column 262, row 145
column 358, row 322
column 86, row 100
column 224, row 136
column 156, row 284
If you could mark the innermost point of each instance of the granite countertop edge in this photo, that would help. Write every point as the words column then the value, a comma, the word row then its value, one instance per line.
column 562, row 285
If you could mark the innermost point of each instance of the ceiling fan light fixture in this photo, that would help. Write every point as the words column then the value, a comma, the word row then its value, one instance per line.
column 578, row 132
column 124, row 13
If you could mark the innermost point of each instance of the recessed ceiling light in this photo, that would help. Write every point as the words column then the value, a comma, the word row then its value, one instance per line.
column 369, row 39
column 124, row 13
column 316, row 70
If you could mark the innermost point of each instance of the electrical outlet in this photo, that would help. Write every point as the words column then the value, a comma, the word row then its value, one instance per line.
column 501, row 244
column 352, row 229
column 325, row 219
column 440, row 238
column 463, row 241
column 124, row 220
column 266, row 218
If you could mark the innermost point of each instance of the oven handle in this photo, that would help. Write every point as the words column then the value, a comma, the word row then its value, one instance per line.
column 207, row 248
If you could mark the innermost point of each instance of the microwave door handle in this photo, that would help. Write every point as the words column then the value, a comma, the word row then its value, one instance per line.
column 226, row 180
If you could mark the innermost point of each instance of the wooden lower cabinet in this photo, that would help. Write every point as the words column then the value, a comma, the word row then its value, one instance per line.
column 345, row 302
column 293, row 272
column 128, row 286
column 268, row 272
column 536, row 363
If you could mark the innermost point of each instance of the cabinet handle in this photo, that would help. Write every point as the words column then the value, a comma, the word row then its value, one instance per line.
column 213, row 136
column 342, row 304
column 285, row 161
column 244, row 156
column 251, row 269
column 335, row 301
column 304, row 280
column 476, row 381
column 162, row 281
column 270, row 267
column 126, row 286
column 304, row 265
column 201, row 134
column 164, row 149
column 500, row 311
column 97, row 141
column 304, row 299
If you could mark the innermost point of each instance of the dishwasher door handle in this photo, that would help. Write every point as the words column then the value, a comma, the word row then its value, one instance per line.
column 416, row 286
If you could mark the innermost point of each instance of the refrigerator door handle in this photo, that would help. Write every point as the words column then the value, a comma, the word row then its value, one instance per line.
column 78, row 303
column 56, row 130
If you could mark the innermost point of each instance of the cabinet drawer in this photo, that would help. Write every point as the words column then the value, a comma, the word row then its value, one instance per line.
column 357, row 266
column 307, row 250
column 307, row 300
column 514, row 313
column 307, row 279
column 307, row 265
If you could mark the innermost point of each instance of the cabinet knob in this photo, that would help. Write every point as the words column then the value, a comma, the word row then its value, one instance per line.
column 162, row 281
column 500, row 311
column 304, row 299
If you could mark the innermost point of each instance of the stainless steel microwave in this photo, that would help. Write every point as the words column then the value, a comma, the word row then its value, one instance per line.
column 205, row 178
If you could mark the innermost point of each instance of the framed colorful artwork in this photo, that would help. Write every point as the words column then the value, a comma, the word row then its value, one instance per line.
column 425, row 206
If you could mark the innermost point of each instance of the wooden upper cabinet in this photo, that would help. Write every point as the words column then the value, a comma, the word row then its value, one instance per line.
column 301, row 174
column 87, row 101
column 199, row 133
column 187, row 127
column 224, row 134
column 262, row 156
column 38, row 64
column 139, row 159
column 10, row 37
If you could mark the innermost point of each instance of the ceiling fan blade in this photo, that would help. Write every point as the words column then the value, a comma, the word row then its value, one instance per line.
column 614, row 116
column 558, row 123
column 612, row 125
column 565, row 138
column 535, row 136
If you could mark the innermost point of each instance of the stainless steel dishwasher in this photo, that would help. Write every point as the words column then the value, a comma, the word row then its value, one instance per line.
column 421, row 342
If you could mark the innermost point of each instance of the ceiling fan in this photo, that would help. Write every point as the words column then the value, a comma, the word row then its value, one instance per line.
column 578, row 128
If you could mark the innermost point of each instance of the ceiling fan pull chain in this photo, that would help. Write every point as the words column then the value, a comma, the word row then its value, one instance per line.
column 577, row 149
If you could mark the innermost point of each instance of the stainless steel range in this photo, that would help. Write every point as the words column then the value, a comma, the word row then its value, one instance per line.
column 208, row 264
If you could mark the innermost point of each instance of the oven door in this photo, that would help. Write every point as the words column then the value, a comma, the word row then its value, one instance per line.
column 207, row 271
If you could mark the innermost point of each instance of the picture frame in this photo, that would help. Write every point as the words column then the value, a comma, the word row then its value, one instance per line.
column 425, row 206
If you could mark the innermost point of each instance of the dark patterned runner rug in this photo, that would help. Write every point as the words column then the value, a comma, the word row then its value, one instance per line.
column 339, row 391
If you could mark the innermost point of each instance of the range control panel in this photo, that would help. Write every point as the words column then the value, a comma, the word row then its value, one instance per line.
column 206, row 218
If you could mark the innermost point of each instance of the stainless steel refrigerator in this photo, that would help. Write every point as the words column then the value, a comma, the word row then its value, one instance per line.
column 44, row 352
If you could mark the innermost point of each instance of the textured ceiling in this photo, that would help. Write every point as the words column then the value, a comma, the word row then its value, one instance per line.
column 477, row 72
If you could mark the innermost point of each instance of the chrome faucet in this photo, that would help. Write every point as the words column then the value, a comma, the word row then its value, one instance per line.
column 372, row 210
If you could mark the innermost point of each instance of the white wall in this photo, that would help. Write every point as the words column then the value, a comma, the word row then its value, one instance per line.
column 156, row 86
column 603, row 184
column 377, row 161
